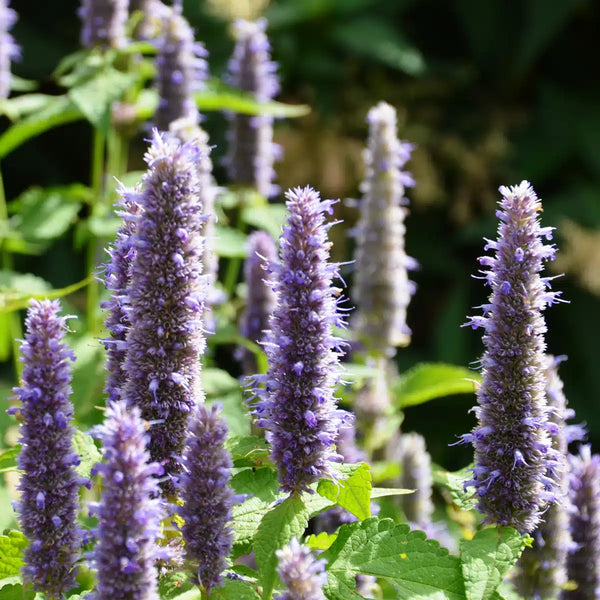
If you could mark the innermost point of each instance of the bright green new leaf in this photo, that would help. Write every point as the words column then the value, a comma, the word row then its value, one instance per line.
column 8, row 459
column 427, row 381
column 11, row 553
column 287, row 520
column 269, row 217
column 89, row 455
column 353, row 493
column 487, row 558
column 26, row 104
column 454, row 483
column 322, row 541
column 229, row 242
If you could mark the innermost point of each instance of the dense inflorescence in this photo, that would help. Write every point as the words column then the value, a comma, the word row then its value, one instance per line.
column 181, row 70
column 166, row 297
column 49, row 485
column 9, row 51
column 583, row 563
column 116, row 280
column 302, row 574
column 260, row 298
column 381, row 286
column 130, row 509
column 251, row 151
column 103, row 23
column 297, row 406
column 515, row 465
column 207, row 496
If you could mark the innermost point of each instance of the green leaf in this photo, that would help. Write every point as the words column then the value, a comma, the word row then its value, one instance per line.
column 8, row 459
column 248, row 451
column 353, row 493
column 229, row 242
column 60, row 111
column 20, row 106
column 11, row 553
column 384, row 492
column 18, row 84
column 487, row 558
column 84, row 446
column 270, row 218
column 287, row 520
column 12, row 591
column 322, row 541
column 417, row 567
column 174, row 585
column 216, row 382
column 427, row 381
column 235, row 411
column 454, row 483
column 235, row 589
column 260, row 483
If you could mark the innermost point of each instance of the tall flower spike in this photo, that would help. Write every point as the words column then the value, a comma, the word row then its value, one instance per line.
column 260, row 299
column 130, row 509
column 49, row 484
column 513, row 454
column 181, row 71
column 207, row 496
column 541, row 571
column 116, row 280
column 583, row 564
column 297, row 406
column 103, row 23
column 381, row 286
column 302, row 574
column 9, row 51
column 166, row 297
column 251, row 149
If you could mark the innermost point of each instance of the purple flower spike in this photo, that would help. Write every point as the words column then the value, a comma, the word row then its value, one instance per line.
column 49, row 484
column 207, row 496
column 166, row 297
column 251, row 149
column 513, row 453
column 302, row 574
column 181, row 71
column 130, row 509
column 9, row 51
column 103, row 23
column 583, row 564
column 297, row 406
column 260, row 300
column 152, row 13
column 381, row 284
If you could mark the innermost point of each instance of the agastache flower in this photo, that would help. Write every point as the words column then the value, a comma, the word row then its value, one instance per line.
column 181, row 71
column 49, row 484
column 9, row 51
column 260, row 298
column 130, row 509
column 381, row 286
column 302, row 574
column 251, row 149
column 297, row 406
column 583, row 564
column 103, row 23
column 166, row 297
column 513, row 454
column 207, row 496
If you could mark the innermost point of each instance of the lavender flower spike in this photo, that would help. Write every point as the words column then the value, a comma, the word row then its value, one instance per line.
column 103, row 23
column 49, row 484
column 297, row 406
column 583, row 564
column 166, row 297
column 251, row 149
column 9, row 51
column 181, row 71
column 260, row 299
column 513, row 454
column 382, row 288
column 130, row 509
column 302, row 574
column 207, row 496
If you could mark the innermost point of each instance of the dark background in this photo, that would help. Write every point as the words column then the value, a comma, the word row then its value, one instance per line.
column 491, row 92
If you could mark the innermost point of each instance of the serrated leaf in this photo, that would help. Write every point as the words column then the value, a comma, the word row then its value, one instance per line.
column 287, row 520
column 487, row 558
column 11, row 553
column 248, row 451
column 229, row 242
column 172, row 585
column 89, row 455
column 454, row 483
column 427, row 381
column 235, row 589
column 16, row 592
column 353, row 493
column 417, row 567
column 8, row 459
column 322, row 541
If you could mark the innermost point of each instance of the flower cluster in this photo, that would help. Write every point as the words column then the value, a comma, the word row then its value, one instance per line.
column 9, row 51
column 297, row 406
column 166, row 297
column 381, row 286
column 103, row 23
column 130, row 510
column 513, row 454
column 207, row 496
column 49, row 485
column 302, row 574
column 251, row 149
